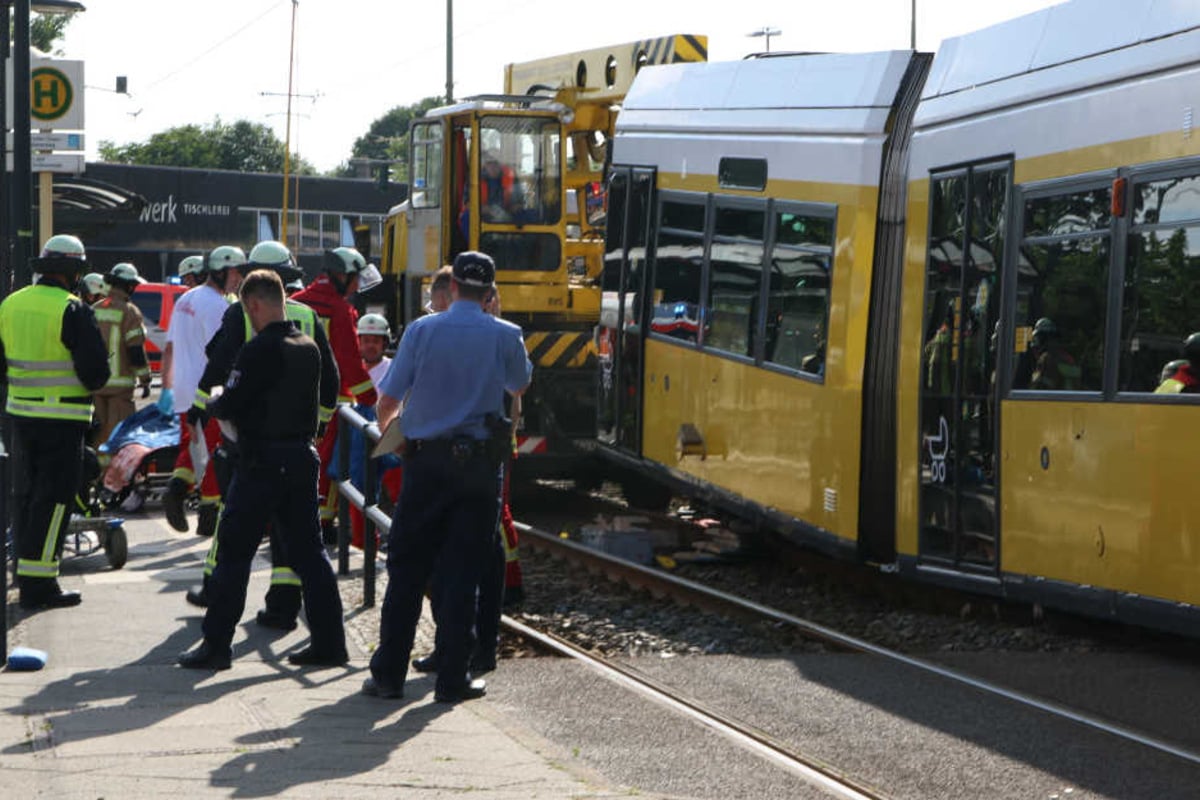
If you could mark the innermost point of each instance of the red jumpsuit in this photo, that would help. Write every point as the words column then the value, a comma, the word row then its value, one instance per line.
column 340, row 321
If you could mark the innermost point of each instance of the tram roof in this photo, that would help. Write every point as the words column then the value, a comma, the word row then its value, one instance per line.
column 826, row 93
column 1065, row 47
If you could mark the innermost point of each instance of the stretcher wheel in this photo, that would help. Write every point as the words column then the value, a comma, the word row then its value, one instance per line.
column 116, row 547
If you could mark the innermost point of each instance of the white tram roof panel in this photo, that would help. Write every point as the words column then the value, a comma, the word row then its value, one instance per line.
column 833, row 93
column 1060, row 48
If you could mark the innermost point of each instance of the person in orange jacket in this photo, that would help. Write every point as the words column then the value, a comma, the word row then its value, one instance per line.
column 329, row 295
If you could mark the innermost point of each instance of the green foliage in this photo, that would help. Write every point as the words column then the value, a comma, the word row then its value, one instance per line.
column 387, row 138
column 242, row 146
column 46, row 29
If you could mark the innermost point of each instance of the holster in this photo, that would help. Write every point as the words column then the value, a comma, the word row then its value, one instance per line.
column 499, row 441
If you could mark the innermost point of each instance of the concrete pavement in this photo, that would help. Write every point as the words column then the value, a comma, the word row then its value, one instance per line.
column 112, row 716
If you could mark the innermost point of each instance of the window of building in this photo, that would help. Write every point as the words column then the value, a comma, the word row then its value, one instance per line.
column 1062, row 291
column 678, row 269
column 268, row 226
column 798, row 274
column 247, row 225
column 330, row 231
column 1160, row 304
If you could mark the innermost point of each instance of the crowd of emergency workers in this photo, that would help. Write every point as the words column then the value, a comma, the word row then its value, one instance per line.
column 254, row 368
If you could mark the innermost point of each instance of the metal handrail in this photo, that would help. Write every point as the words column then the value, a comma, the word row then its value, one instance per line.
column 365, row 500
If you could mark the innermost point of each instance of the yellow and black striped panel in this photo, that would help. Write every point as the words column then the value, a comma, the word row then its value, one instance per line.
column 673, row 49
column 560, row 349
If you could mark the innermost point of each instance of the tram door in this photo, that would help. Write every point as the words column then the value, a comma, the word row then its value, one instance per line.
column 959, row 402
column 622, row 308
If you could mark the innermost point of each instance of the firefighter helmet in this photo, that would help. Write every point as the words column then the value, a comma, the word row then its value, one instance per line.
column 93, row 283
column 192, row 265
column 225, row 257
column 1191, row 348
column 123, row 274
column 1170, row 368
column 61, row 253
column 344, row 261
column 374, row 325
column 274, row 256
column 1043, row 330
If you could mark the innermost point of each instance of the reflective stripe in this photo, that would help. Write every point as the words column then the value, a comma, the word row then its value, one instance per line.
column 108, row 314
column 37, row 569
column 184, row 474
column 16, row 381
column 120, row 380
column 360, row 388
column 40, row 365
column 284, row 576
column 324, row 414
column 135, row 333
column 30, row 408
column 56, row 518
column 210, row 561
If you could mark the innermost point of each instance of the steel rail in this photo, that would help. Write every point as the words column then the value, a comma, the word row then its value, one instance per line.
column 809, row 768
column 655, row 579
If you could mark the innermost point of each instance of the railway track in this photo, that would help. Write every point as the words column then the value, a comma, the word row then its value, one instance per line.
column 663, row 584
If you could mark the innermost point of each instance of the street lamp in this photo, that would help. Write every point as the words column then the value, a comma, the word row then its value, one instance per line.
column 22, row 177
column 766, row 32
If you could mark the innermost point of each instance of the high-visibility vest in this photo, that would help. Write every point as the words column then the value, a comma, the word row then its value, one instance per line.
column 41, row 374
column 298, row 313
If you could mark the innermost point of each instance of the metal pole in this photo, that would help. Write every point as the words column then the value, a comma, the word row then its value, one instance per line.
column 22, row 168
column 449, row 51
column 343, row 473
column 370, row 500
column 287, row 143
column 914, row 25
column 6, row 273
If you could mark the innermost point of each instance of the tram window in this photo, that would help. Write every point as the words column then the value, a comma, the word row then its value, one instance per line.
column 1162, row 283
column 678, row 262
column 797, row 310
column 683, row 216
column 538, row 252
column 1062, row 289
column 735, row 275
column 1065, row 214
column 803, row 230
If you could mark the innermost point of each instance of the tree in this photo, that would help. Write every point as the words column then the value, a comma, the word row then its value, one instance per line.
column 387, row 138
column 46, row 29
column 243, row 147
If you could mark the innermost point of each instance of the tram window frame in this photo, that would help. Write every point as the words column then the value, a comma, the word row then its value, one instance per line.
column 824, row 211
column 1023, row 195
column 1131, row 229
column 661, row 230
column 716, row 238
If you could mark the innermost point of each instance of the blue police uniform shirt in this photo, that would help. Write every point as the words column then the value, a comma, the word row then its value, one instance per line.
column 454, row 368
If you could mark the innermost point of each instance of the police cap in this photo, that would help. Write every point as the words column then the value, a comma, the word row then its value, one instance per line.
column 473, row 268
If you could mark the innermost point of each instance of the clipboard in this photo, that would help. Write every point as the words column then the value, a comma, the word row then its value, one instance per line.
column 392, row 440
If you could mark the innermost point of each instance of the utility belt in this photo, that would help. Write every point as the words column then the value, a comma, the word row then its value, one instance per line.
column 496, row 448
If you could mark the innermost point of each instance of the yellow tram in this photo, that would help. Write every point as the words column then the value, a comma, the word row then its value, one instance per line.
column 914, row 310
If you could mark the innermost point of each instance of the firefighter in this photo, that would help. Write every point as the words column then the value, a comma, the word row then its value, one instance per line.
column 329, row 295
column 374, row 335
column 1054, row 368
column 1184, row 378
column 191, row 271
column 124, row 333
column 196, row 318
column 53, row 358
column 92, row 289
column 283, row 598
column 271, row 399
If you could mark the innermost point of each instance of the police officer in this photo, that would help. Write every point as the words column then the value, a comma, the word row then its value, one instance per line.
column 122, row 327
column 53, row 358
column 271, row 399
column 283, row 598
column 329, row 295
column 191, row 271
column 450, row 497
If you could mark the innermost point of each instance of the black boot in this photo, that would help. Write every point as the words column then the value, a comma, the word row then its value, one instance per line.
column 173, row 500
column 206, row 523
column 42, row 593
column 198, row 596
column 204, row 657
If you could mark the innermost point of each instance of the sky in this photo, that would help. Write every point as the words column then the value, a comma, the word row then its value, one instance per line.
column 193, row 62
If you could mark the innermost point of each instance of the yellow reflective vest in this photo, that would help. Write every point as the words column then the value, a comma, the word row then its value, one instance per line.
column 41, row 375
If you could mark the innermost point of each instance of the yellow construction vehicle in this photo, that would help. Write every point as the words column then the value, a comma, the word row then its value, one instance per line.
column 520, row 176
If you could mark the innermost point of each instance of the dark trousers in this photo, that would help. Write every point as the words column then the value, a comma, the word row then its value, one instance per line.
column 47, row 470
column 284, row 595
column 447, row 516
column 278, row 482
column 489, row 602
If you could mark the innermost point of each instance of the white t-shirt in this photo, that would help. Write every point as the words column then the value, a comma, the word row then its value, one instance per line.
column 379, row 370
column 195, row 320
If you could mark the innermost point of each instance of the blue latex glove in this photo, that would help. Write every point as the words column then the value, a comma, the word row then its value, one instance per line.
column 166, row 402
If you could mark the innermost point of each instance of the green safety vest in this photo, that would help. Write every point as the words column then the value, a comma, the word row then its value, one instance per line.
column 298, row 313
column 41, row 374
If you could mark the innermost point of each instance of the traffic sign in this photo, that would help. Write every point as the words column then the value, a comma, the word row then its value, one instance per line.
column 52, row 141
column 55, row 94
column 70, row 163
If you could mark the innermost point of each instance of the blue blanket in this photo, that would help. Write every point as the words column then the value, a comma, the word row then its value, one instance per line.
column 149, row 427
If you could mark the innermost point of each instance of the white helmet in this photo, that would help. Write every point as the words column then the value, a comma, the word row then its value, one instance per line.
column 344, row 261
column 225, row 257
column 374, row 325
column 274, row 255
column 123, row 273
column 61, row 253
column 192, row 265
column 93, row 283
